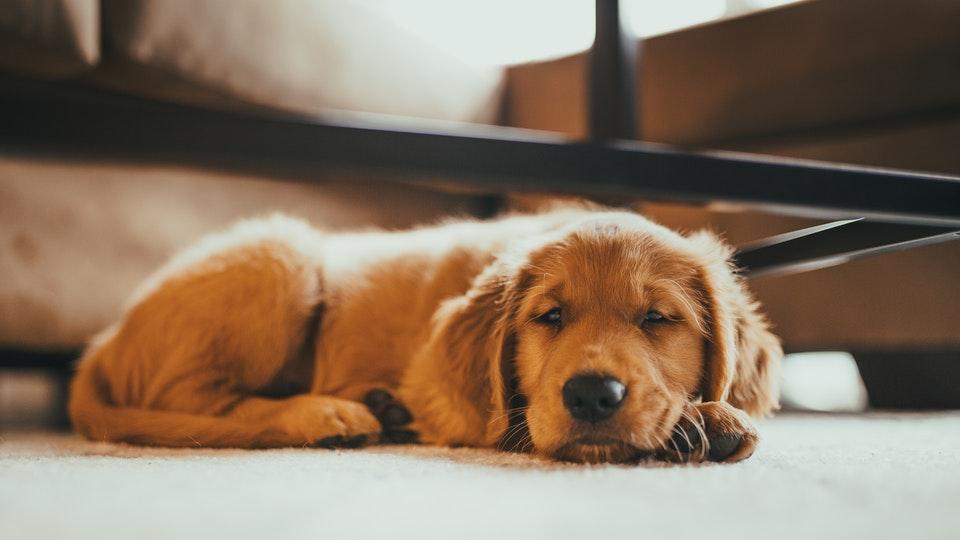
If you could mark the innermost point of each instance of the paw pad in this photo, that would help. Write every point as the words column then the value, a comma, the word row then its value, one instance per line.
column 339, row 441
column 722, row 446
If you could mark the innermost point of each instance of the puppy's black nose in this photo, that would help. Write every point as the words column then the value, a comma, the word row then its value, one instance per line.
column 593, row 397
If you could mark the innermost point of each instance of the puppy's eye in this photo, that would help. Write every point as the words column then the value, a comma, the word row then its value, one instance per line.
column 652, row 317
column 552, row 318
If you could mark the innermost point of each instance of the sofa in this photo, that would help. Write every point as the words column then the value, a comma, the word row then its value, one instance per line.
column 832, row 80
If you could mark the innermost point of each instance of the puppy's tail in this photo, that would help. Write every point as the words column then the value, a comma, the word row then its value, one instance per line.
column 96, row 418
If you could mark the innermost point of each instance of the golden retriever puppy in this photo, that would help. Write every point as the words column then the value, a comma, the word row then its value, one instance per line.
column 582, row 335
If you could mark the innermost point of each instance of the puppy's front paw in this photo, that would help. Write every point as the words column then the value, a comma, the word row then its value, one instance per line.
column 327, row 422
column 712, row 431
column 393, row 416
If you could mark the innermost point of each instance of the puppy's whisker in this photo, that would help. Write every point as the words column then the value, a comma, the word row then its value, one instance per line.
column 663, row 444
column 510, row 432
column 522, row 442
column 514, row 430
column 683, row 433
column 525, row 443
column 700, row 425
column 676, row 450
column 505, row 414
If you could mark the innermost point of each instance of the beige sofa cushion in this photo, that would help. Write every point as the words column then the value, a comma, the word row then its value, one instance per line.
column 76, row 238
column 298, row 55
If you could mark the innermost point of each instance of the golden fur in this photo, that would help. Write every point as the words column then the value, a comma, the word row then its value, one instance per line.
column 271, row 333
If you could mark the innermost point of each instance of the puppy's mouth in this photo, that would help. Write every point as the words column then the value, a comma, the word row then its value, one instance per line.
column 600, row 449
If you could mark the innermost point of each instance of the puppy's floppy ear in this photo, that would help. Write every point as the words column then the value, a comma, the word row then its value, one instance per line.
column 457, row 385
column 743, row 356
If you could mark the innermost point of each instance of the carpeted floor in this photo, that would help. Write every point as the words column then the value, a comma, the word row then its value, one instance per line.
column 814, row 476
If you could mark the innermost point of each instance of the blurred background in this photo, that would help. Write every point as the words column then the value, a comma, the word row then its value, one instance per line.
column 871, row 82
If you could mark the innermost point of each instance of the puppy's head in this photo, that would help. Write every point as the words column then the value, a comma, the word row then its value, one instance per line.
column 596, row 337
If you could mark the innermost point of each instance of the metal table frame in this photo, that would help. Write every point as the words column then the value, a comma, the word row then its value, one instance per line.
column 880, row 210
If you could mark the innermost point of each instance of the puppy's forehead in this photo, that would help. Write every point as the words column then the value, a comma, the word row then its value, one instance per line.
column 604, row 245
column 612, row 255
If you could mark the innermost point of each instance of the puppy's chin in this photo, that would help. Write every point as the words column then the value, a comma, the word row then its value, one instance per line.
column 599, row 451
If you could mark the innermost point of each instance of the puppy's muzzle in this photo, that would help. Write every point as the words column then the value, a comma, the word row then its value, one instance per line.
column 593, row 398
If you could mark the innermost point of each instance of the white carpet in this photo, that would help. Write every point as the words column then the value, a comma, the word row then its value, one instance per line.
column 814, row 476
